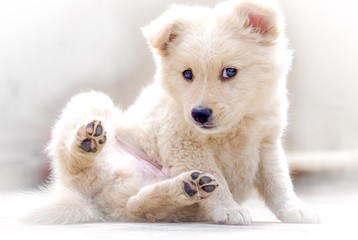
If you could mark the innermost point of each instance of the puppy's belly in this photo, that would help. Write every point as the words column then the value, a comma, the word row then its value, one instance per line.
column 142, row 164
column 147, row 169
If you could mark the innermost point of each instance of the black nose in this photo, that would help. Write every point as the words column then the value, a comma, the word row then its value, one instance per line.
column 201, row 114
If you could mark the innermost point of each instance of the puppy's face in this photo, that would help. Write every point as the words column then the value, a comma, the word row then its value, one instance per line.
column 219, row 64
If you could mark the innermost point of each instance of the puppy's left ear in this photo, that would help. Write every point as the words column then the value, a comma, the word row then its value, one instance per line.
column 261, row 22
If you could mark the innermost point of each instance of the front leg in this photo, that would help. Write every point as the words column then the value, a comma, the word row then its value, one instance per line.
column 220, row 207
column 168, row 148
column 274, row 184
column 166, row 199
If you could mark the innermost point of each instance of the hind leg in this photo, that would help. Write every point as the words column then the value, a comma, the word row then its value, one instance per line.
column 79, row 136
column 161, row 201
column 76, row 147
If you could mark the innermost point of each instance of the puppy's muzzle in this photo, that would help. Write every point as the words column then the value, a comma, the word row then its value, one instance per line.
column 202, row 114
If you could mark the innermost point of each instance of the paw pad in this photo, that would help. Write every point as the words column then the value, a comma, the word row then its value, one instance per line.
column 189, row 189
column 195, row 175
column 91, row 136
column 199, row 183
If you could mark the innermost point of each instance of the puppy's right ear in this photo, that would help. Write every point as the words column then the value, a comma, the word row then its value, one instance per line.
column 161, row 32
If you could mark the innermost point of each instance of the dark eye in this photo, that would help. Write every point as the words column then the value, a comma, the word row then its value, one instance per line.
column 228, row 73
column 188, row 75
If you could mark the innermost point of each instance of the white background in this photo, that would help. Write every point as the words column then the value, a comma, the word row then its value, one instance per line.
column 52, row 49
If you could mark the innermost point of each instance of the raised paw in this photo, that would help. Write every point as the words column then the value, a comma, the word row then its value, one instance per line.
column 91, row 137
column 199, row 185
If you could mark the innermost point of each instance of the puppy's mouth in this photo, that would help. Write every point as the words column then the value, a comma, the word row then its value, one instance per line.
column 206, row 126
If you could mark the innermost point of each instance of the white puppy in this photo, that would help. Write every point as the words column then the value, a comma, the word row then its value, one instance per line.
column 197, row 141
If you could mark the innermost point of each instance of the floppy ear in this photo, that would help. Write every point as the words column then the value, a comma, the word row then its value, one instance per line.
column 260, row 21
column 161, row 32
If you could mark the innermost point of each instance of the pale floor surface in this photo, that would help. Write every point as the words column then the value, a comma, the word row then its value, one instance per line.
column 336, row 200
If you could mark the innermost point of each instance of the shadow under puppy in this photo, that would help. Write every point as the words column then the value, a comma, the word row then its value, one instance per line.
column 197, row 140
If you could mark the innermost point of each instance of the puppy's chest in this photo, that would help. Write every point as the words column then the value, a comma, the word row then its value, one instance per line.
column 237, row 157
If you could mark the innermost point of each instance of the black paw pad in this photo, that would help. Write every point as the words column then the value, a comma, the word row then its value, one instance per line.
column 208, row 188
column 195, row 175
column 204, row 180
column 98, row 131
column 103, row 140
column 189, row 190
column 86, row 145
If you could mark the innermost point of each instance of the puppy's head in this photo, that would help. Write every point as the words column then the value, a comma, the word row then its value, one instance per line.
column 220, row 63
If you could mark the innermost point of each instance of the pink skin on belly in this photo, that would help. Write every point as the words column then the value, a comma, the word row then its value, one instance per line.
column 141, row 161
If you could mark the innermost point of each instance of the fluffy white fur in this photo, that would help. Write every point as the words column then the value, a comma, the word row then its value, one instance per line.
column 142, row 171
